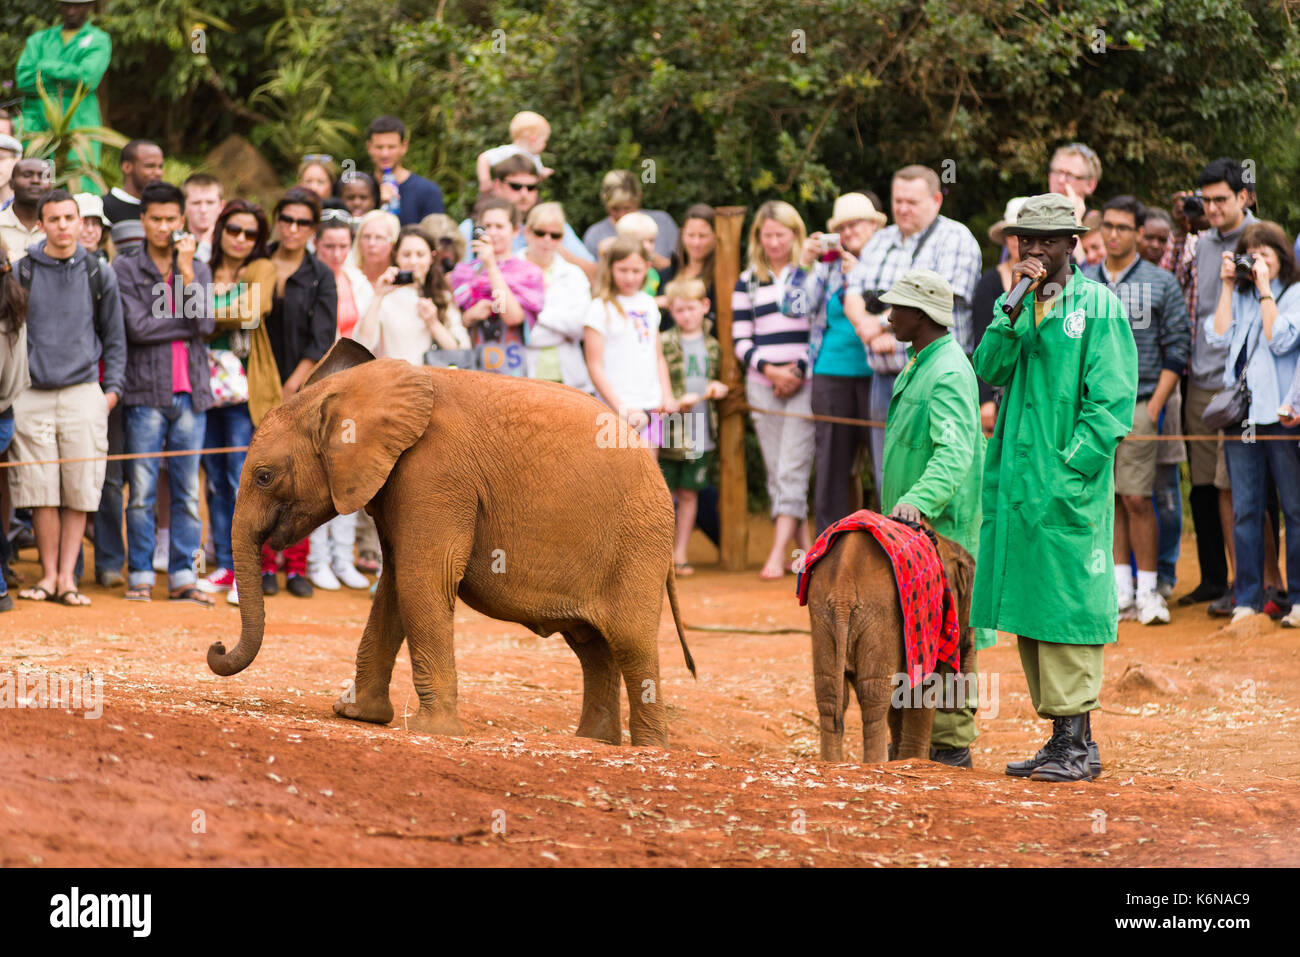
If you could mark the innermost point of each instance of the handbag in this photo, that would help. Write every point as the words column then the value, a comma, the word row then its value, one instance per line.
column 1231, row 406
column 226, row 378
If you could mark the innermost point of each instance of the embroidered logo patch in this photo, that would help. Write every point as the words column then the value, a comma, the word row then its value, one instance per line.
column 1074, row 324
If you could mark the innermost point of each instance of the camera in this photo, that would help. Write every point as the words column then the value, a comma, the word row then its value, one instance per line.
column 1245, row 273
column 832, row 242
column 479, row 233
column 178, row 235
column 1193, row 206
column 404, row 278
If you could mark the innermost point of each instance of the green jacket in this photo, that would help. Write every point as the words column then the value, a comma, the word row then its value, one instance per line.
column 1044, row 568
column 60, row 66
column 670, row 343
column 934, row 446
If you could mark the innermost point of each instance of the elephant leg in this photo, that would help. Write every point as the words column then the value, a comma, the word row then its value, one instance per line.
column 877, row 718
column 636, row 652
column 832, row 741
column 916, row 723
column 600, row 686
column 428, row 612
column 368, row 699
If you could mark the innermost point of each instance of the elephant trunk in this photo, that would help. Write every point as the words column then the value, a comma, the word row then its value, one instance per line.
column 247, row 548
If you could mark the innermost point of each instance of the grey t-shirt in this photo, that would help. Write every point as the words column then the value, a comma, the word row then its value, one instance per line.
column 1206, row 367
column 695, row 357
column 665, row 242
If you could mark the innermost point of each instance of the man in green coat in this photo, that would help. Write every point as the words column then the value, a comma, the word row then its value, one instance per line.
column 61, row 57
column 1068, row 364
column 933, row 457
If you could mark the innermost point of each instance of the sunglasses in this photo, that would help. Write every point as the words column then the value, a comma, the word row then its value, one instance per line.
column 318, row 158
column 300, row 223
column 543, row 232
column 337, row 216
column 235, row 232
column 522, row 187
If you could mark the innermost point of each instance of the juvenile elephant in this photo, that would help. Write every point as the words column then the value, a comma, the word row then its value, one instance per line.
column 857, row 641
column 521, row 497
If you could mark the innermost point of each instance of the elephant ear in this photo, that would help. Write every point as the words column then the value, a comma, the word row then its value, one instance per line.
column 344, row 354
column 368, row 418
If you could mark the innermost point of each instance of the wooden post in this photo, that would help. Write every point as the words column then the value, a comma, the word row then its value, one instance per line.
column 733, row 510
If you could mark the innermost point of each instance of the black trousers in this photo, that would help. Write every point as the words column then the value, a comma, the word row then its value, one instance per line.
column 835, row 446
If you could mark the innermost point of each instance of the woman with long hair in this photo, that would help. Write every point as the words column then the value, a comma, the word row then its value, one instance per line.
column 243, row 281
column 694, row 257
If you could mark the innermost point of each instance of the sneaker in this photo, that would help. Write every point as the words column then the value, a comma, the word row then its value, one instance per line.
column 161, row 544
column 349, row 576
column 269, row 585
column 1128, row 612
column 232, row 596
column 223, row 579
column 1292, row 620
column 1275, row 604
column 322, row 576
column 1222, row 607
column 1152, row 609
column 1165, row 590
column 7, row 602
column 1241, row 613
column 299, row 586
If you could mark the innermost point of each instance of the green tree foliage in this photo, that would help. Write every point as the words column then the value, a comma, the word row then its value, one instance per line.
column 731, row 103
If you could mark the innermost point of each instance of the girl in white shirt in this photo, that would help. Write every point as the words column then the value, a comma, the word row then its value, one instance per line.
column 404, row 321
column 621, row 339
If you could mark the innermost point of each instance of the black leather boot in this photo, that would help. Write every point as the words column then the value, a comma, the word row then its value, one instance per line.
column 953, row 757
column 1067, row 754
column 1094, row 753
column 1022, row 769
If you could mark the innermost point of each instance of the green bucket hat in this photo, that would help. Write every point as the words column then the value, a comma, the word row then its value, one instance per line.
column 1050, row 214
column 926, row 290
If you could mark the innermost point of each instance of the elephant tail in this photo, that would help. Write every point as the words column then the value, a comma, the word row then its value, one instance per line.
column 677, row 620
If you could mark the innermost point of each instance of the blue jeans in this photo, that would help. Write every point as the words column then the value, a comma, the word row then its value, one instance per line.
column 1169, row 518
column 110, row 550
column 1249, row 466
column 153, row 429
column 6, row 436
column 227, row 426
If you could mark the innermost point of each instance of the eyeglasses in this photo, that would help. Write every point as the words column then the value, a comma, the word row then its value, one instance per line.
column 1066, row 174
column 1216, row 200
column 1117, row 228
column 522, row 187
column 317, row 158
column 235, row 232
column 299, row 223
column 539, row 233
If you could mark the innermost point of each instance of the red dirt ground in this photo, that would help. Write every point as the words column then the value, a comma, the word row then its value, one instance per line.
column 1198, row 734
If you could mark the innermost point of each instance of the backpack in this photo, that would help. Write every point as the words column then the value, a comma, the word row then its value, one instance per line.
column 93, row 269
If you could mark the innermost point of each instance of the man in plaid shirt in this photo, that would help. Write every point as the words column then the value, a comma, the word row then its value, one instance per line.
column 919, row 239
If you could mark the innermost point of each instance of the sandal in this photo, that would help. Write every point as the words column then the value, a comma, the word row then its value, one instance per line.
column 73, row 599
column 368, row 561
column 191, row 594
column 35, row 593
column 683, row 569
column 139, row 593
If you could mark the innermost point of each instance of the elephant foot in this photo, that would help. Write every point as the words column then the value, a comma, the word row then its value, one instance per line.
column 611, row 732
column 376, row 709
column 648, row 738
column 435, row 722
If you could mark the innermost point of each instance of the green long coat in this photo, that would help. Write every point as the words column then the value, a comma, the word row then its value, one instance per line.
column 934, row 446
column 60, row 67
column 1044, row 568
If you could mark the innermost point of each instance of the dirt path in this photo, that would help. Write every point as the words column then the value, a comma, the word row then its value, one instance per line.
column 1198, row 734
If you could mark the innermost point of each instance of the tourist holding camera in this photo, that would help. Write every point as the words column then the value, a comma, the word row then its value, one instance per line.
column 1257, row 320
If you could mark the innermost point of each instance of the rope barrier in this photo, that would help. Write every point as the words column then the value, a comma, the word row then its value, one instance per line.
column 870, row 423
column 124, row 457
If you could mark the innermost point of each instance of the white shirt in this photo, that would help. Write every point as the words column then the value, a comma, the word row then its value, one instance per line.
column 561, row 321
column 631, row 347
column 402, row 334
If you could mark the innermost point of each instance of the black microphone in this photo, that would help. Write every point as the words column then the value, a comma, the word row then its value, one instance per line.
column 1011, row 305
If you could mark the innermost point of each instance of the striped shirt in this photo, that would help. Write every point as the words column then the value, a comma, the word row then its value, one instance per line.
column 761, row 332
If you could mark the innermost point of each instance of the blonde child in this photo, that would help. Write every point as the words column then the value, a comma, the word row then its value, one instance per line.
column 643, row 229
column 693, row 358
column 529, row 132
column 621, row 339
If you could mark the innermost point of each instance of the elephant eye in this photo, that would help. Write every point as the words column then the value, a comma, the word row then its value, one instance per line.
column 264, row 477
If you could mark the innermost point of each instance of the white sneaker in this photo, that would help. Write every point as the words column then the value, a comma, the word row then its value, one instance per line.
column 322, row 576
column 232, row 596
column 1128, row 612
column 349, row 576
column 1165, row 590
column 160, row 547
column 1151, row 609
column 1292, row 619
column 1242, row 612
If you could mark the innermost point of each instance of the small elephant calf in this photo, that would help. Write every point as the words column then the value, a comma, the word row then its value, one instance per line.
column 857, row 641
